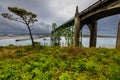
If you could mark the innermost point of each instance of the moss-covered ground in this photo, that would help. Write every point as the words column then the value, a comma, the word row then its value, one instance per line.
column 59, row 63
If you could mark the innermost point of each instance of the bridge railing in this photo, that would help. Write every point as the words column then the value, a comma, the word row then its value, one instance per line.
column 94, row 5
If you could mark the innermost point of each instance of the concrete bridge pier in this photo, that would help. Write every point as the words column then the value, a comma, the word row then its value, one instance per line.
column 93, row 33
column 53, row 36
column 77, row 23
column 118, row 37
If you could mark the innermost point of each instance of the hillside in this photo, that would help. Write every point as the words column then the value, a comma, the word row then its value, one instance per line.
column 59, row 63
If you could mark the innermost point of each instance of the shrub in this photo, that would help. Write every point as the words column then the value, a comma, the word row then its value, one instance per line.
column 65, row 76
column 27, row 68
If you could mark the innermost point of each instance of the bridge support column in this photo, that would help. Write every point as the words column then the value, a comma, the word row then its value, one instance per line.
column 118, row 37
column 77, row 22
column 93, row 33
column 53, row 35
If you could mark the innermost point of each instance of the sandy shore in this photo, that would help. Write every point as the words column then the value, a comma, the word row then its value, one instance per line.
column 19, row 37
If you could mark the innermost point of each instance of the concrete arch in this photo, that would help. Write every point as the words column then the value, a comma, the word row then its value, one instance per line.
column 85, row 35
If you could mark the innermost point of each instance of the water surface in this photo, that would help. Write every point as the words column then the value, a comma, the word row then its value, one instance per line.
column 101, row 42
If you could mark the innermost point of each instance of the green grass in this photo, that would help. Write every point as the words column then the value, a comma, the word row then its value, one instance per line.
column 59, row 63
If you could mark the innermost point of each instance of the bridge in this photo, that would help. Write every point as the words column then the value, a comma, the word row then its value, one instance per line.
column 72, row 29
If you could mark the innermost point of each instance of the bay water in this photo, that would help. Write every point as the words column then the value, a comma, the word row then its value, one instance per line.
column 101, row 42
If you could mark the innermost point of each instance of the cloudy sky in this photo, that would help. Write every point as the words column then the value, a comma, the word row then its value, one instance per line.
column 52, row 11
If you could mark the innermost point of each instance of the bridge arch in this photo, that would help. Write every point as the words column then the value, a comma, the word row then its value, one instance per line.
column 85, row 36
column 90, row 16
column 108, row 28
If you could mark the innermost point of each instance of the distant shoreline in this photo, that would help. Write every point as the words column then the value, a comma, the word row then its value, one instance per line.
column 26, row 37
column 99, row 36
column 17, row 37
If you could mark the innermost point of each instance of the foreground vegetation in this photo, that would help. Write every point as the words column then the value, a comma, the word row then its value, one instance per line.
column 56, row 63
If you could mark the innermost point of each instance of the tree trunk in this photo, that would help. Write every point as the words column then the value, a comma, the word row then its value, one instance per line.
column 30, row 35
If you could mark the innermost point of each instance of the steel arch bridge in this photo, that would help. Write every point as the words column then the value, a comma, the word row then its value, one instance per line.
column 71, row 29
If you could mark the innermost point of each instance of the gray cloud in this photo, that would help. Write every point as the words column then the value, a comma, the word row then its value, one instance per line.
column 42, row 27
column 8, row 26
column 48, row 12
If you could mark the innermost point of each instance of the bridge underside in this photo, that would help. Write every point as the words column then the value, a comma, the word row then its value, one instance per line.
column 90, row 17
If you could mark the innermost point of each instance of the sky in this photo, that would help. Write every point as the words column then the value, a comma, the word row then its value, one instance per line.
column 52, row 11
